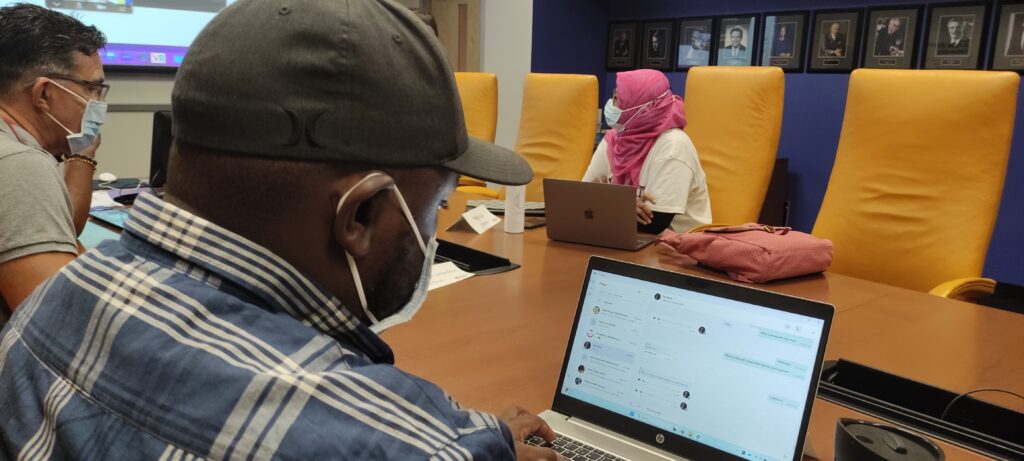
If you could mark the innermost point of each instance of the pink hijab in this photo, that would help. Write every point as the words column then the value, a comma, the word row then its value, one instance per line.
column 660, row 111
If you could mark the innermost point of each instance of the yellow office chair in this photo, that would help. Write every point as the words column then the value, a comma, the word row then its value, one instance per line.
column 479, row 94
column 734, row 118
column 918, row 176
column 557, row 127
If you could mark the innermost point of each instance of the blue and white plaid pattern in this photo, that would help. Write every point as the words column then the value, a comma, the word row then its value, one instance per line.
column 185, row 341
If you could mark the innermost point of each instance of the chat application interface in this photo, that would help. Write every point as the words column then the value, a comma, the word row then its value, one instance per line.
column 730, row 375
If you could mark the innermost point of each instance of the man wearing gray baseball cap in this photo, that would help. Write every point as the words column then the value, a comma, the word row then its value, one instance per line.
column 238, row 317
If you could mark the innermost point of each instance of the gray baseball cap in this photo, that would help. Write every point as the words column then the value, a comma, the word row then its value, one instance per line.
column 355, row 81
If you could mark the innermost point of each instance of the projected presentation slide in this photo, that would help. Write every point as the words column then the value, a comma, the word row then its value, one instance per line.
column 142, row 33
column 116, row 6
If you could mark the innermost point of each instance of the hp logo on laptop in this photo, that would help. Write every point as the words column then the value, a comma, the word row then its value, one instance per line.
column 660, row 438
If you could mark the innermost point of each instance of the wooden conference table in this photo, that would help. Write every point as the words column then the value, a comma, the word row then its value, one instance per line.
column 498, row 340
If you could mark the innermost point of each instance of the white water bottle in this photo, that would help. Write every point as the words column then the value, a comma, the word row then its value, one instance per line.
column 515, row 212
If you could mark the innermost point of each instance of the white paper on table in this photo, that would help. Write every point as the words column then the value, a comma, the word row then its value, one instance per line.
column 480, row 219
column 446, row 273
column 101, row 199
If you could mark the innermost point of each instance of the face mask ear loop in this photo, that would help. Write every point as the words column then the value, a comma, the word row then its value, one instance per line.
column 72, row 94
column 412, row 222
column 359, row 288
column 351, row 261
column 58, row 123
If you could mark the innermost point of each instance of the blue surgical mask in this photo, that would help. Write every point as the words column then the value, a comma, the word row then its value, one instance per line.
column 419, row 294
column 611, row 113
column 92, row 120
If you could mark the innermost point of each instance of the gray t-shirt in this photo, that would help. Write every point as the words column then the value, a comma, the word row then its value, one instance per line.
column 35, row 207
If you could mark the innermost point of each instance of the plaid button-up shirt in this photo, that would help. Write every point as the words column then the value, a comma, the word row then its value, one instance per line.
column 183, row 340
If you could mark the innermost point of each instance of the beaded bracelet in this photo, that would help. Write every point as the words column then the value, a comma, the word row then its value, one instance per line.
column 81, row 158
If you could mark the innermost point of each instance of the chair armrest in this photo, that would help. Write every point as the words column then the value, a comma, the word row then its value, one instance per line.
column 478, row 190
column 965, row 289
column 467, row 181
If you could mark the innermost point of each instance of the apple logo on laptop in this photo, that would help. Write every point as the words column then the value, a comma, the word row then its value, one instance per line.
column 588, row 213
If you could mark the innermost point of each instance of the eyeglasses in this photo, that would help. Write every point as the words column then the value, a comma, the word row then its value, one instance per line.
column 98, row 90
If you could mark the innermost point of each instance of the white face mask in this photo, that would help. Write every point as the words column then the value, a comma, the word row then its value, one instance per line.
column 622, row 127
column 92, row 120
column 419, row 294
column 611, row 114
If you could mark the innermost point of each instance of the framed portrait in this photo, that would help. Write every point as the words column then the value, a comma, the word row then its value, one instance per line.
column 890, row 37
column 784, row 39
column 695, row 46
column 836, row 41
column 622, row 38
column 656, row 47
column 956, row 33
column 737, row 40
column 1008, row 49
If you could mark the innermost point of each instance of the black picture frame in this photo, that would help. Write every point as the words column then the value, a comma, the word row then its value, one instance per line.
column 656, row 49
column 838, row 52
column 622, row 45
column 785, row 37
column 696, row 50
column 941, row 52
column 891, row 35
column 1007, row 52
column 744, row 53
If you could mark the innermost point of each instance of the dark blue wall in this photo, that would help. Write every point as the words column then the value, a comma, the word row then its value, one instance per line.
column 569, row 36
column 564, row 32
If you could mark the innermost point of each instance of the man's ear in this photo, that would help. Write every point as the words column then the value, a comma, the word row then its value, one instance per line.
column 353, row 219
column 42, row 94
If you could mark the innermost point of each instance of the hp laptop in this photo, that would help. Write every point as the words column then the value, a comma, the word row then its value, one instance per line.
column 593, row 214
column 668, row 366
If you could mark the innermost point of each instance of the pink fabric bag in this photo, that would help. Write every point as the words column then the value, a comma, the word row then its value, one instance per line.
column 754, row 252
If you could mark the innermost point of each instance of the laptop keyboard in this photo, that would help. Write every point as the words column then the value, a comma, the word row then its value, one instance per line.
column 572, row 449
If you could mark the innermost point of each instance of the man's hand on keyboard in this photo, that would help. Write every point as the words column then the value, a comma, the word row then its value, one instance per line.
column 524, row 424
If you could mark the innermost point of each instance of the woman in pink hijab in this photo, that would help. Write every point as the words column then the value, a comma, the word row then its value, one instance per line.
column 647, row 149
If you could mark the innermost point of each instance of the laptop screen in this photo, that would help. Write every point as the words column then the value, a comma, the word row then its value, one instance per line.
column 727, row 374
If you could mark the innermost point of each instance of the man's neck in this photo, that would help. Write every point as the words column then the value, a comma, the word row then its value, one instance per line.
column 11, row 113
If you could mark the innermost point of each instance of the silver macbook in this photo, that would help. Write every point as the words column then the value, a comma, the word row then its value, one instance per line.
column 663, row 365
column 593, row 214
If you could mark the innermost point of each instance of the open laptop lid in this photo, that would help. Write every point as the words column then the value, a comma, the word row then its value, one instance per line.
column 696, row 367
column 591, row 213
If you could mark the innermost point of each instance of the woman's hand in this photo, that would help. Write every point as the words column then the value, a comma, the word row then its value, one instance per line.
column 643, row 210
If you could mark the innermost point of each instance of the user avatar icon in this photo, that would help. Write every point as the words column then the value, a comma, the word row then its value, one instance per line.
column 686, row 394
column 579, row 381
column 682, row 406
column 581, row 369
column 657, row 296
column 597, row 310
column 586, row 345
column 701, row 330
column 590, row 333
